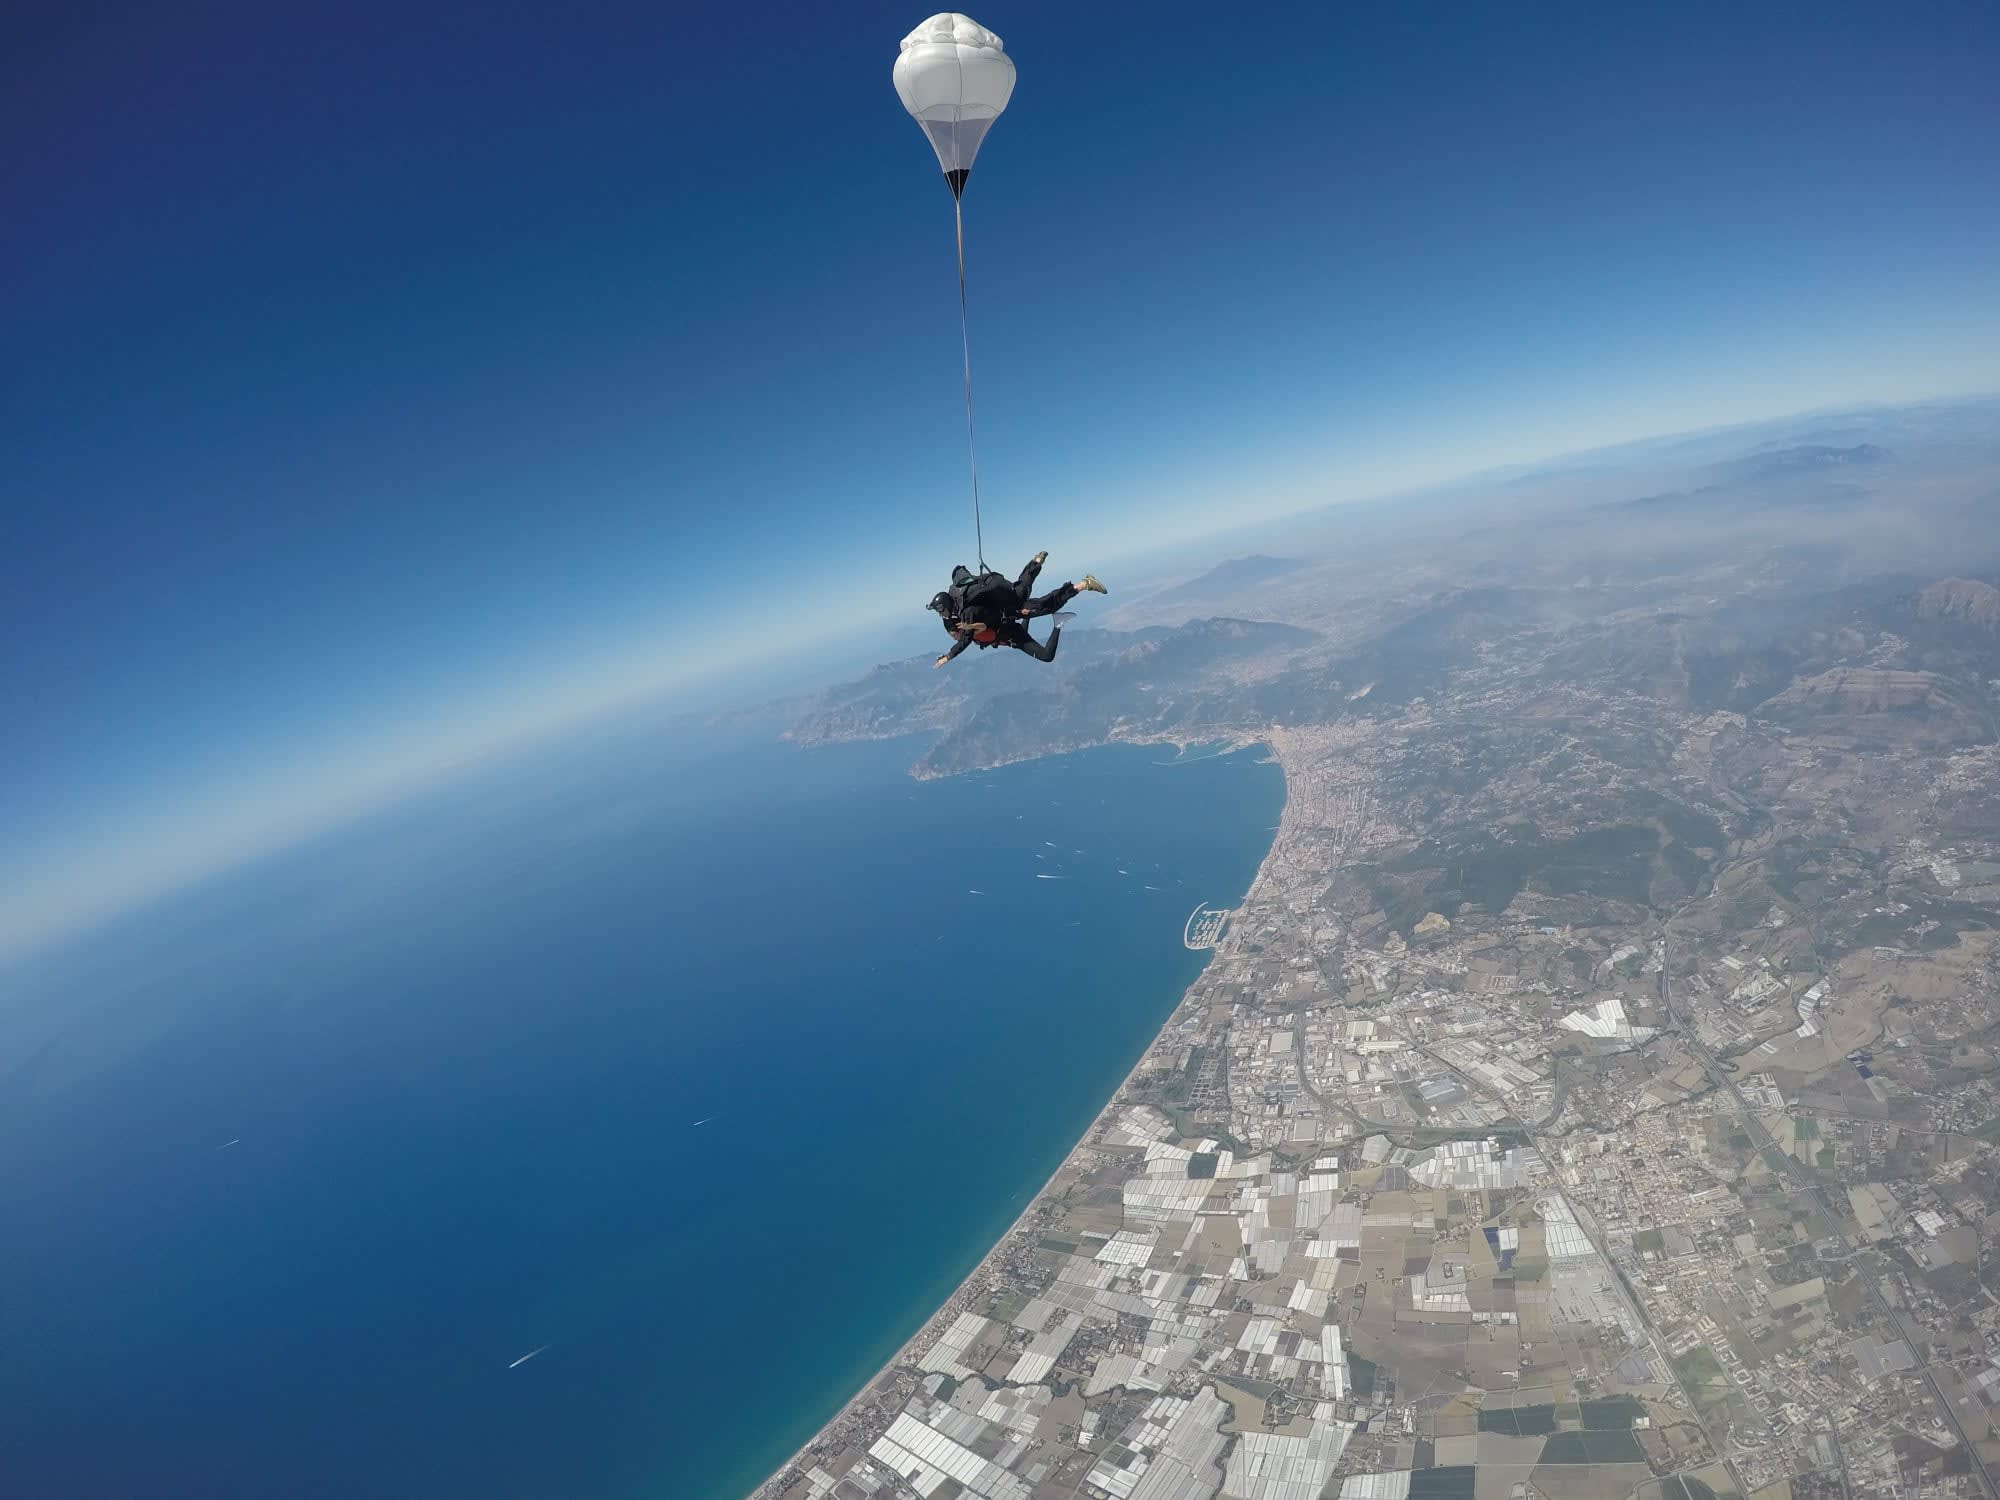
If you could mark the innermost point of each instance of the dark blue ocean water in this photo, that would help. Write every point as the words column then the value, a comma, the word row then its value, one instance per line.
column 461, row 1048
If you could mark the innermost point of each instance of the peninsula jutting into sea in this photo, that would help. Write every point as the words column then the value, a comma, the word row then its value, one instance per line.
column 1597, row 1092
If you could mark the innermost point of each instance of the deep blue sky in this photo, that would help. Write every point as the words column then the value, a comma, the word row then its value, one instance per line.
column 378, row 381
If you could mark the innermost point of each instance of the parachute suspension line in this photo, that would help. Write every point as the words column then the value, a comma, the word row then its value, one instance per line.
column 965, row 350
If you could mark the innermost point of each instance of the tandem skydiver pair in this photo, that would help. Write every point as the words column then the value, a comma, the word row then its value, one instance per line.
column 987, row 609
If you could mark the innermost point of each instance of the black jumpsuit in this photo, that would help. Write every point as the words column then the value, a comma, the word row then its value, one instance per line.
column 1012, row 632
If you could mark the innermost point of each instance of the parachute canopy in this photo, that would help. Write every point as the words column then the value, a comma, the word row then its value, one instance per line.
column 954, row 79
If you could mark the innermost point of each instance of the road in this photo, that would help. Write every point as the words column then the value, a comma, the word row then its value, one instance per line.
column 1833, row 1436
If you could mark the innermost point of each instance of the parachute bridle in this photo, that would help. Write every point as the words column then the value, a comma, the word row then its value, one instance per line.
column 965, row 350
column 954, row 77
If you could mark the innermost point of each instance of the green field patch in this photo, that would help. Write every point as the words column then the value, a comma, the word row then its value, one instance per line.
column 1593, row 1448
column 1006, row 1309
column 1488, row 870
column 1826, row 1159
column 1202, row 1164
column 1649, row 1239
column 1806, row 1130
column 1684, row 863
column 1519, row 1421
column 1678, row 1487
column 1611, row 1413
column 1056, row 1243
column 1451, row 1483
column 1698, row 1366
column 1990, row 1131
column 1881, row 930
column 1506, row 1135
column 1360, row 1375
column 1696, row 829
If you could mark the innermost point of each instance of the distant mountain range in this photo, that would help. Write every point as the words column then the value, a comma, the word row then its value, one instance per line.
column 1809, row 458
column 988, row 712
column 1236, row 573
column 1788, row 574
column 1971, row 418
column 1807, row 462
column 1228, row 587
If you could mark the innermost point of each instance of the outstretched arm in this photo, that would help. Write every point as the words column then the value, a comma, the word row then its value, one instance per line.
column 957, row 646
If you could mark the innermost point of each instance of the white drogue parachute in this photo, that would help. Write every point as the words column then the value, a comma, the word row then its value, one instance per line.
column 954, row 79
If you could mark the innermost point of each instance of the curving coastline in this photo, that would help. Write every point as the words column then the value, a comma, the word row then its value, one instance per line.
column 866, row 1413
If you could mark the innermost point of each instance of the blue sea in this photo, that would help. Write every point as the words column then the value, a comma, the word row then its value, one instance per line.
column 697, row 1067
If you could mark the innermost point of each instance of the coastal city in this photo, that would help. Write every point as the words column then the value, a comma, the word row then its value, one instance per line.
column 1596, row 1094
column 814, row 752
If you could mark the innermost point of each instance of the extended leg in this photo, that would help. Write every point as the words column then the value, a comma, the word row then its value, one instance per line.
column 1024, row 585
column 1034, row 648
column 1050, row 602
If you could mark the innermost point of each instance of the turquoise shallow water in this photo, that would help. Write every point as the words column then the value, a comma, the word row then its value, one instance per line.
column 461, row 1051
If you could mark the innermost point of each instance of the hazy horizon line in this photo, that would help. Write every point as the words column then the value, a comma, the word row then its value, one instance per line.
column 404, row 772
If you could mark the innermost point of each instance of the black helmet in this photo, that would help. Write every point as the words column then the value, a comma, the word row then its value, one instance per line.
column 941, row 602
